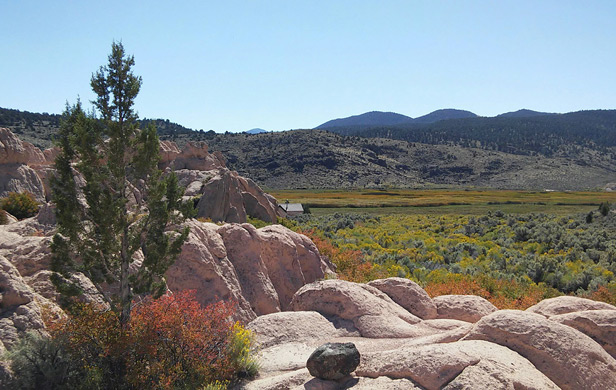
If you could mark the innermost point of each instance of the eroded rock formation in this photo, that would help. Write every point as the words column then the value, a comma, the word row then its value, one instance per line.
column 483, row 349
column 224, row 195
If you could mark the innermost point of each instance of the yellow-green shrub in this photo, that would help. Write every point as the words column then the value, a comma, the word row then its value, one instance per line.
column 20, row 205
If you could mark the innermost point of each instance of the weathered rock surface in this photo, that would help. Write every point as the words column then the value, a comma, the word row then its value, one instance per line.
column 194, row 156
column 568, row 357
column 15, row 151
column 370, row 311
column 409, row 295
column 292, row 326
column 456, row 364
column 567, row 304
column 259, row 268
column 29, row 254
column 600, row 325
column 21, row 178
column 17, row 160
column 333, row 361
column 463, row 307
column 19, row 312
column 230, row 197
column 41, row 283
column 226, row 195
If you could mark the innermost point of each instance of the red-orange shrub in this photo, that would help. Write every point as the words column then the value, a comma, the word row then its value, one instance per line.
column 175, row 342
column 605, row 294
column 350, row 264
column 504, row 294
column 170, row 342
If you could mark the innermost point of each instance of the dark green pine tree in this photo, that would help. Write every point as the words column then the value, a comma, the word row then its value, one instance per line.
column 122, row 202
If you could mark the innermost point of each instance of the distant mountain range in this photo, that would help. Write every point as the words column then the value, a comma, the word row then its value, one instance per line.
column 523, row 149
column 379, row 118
column 255, row 131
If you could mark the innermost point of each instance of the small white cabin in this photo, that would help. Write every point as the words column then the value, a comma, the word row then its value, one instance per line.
column 292, row 208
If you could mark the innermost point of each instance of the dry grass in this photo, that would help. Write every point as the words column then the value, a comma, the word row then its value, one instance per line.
column 446, row 201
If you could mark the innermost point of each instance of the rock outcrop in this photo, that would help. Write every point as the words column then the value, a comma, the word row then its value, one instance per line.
column 468, row 308
column 363, row 307
column 600, row 325
column 19, row 309
column 409, row 295
column 503, row 349
column 225, row 195
column 568, row 357
column 567, row 304
column 260, row 269
column 19, row 162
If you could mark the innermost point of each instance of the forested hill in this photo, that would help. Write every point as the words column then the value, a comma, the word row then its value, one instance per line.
column 39, row 129
column 321, row 159
column 545, row 134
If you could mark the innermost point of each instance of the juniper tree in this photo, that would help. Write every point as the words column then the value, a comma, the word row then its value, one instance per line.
column 122, row 203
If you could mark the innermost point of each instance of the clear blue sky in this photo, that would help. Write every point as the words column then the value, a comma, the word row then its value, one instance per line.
column 235, row 65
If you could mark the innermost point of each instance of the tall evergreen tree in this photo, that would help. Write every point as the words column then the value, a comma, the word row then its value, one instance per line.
column 123, row 204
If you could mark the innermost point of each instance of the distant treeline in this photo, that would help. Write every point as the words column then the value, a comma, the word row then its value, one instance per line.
column 39, row 128
column 545, row 134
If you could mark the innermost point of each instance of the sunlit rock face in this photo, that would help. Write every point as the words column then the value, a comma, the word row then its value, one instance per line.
column 483, row 348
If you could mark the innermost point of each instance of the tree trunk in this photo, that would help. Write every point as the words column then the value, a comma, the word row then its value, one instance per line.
column 125, row 293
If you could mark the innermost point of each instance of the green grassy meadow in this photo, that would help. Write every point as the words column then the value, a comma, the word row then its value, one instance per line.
column 440, row 202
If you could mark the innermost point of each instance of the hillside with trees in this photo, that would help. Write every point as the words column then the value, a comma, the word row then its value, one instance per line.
column 574, row 151
column 526, row 133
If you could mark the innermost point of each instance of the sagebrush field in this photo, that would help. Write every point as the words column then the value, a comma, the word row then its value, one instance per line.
column 487, row 243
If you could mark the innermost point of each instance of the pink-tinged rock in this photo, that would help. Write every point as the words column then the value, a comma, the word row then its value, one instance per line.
column 15, row 151
column 260, row 269
column 409, row 295
column 292, row 326
column 567, row 304
column 41, row 283
column 244, row 249
column 169, row 151
column 50, row 155
column 231, row 198
column 203, row 266
column 283, row 357
column 293, row 380
column 193, row 181
column 21, row 178
column 369, row 310
column 480, row 364
column 19, row 312
column 380, row 383
column 14, row 291
column 29, row 254
column 292, row 260
column 600, row 325
column 193, row 156
column 468, row 308
column 568, row 357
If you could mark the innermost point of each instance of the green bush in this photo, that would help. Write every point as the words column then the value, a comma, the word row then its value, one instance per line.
column 604, row 208
column 20, row 205
column 41, row 363
column 3, row 218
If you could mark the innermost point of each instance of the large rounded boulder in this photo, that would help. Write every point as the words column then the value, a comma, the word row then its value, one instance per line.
column 366, row 308
column 568, row 357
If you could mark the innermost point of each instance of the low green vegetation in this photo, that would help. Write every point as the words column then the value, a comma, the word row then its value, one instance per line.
column 20, row 205
column 512, row 259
